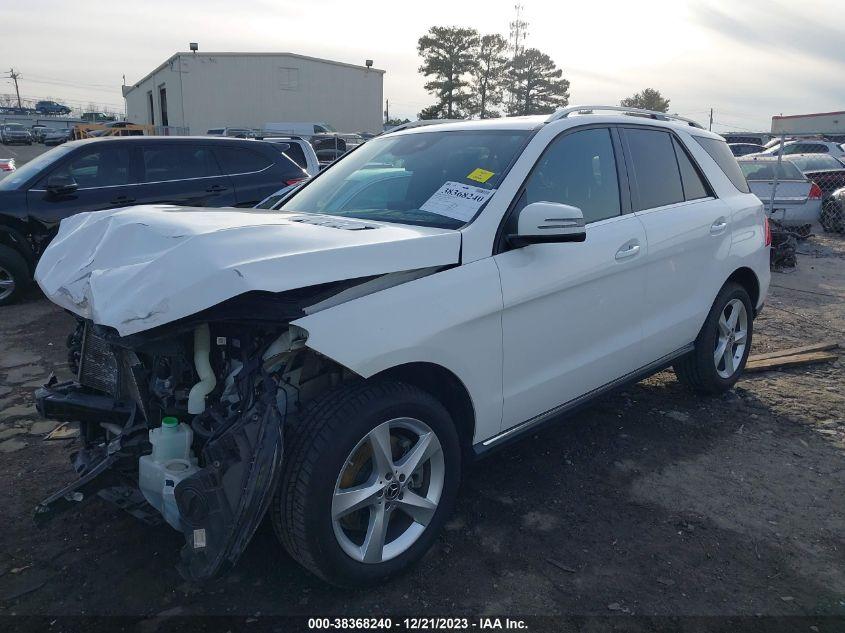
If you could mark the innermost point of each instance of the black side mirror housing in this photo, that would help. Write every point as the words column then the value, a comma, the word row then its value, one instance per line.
column 59, row 184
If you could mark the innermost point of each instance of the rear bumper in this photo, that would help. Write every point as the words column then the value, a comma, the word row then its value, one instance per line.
column 70, row 401
column 796, row 214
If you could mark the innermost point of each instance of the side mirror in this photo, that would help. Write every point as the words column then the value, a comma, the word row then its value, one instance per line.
column 546, row 222
column 60, row 184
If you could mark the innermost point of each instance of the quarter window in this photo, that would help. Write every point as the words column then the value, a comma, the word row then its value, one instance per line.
column 721, row 153
column 172, row 162
column 655, row 168
column 578, row 169
column 694, row 187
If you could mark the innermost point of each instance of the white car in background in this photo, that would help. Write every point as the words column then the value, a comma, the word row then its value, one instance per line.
column 299, row 151
column 434, row 295
column 798, row 200
column 800, row 146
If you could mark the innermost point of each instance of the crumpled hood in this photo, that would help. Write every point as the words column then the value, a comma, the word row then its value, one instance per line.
column 140, row 267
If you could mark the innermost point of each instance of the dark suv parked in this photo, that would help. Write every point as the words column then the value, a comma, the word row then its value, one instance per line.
column 51, row 107
column 104, row 173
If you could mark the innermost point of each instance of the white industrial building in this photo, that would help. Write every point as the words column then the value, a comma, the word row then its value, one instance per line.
column 201, row 91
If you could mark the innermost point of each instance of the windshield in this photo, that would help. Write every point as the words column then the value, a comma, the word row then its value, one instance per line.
column 816, row 162
column 33, row 168
column 438, row 179
column 14, row 126
column 765, row 170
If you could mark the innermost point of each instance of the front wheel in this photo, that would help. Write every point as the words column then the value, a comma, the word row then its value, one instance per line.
column 371, row 476
column 722, row 346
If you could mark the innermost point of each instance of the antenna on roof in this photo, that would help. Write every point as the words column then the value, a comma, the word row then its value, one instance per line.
column 194, row 47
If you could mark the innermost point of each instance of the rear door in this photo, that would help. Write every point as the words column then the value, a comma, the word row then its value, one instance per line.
column 103, row 176
column 688, row 233
column 187, row 174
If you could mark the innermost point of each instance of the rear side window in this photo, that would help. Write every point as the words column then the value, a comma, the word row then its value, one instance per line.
column 721, row 153
column 237, row 160
column 655, row 168
column 578, row 169
column 694, row 185
column 178, row 162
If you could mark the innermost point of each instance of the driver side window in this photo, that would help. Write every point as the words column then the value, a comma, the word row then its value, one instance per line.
column 578, row 169
column 103, row 167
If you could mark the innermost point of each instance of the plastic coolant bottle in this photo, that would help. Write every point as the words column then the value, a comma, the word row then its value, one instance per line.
column 170, row 462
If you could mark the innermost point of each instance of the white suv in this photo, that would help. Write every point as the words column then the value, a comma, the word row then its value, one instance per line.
column 431, row 296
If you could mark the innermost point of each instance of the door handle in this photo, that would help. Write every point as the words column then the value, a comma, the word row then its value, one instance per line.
column 122, row 200
column 718, row 226
column 216, row 189
column 628, row 250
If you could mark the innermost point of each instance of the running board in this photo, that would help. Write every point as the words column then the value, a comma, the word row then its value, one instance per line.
column 578, row 403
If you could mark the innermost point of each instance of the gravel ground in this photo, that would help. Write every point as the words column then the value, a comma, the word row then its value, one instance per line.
column 652, row 502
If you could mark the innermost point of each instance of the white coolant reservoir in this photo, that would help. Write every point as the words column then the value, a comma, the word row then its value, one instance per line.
column 170, row 462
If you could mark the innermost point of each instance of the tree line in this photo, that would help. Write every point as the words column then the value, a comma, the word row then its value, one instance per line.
column 474, row 75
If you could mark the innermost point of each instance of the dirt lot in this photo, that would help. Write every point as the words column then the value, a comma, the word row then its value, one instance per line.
column 652, row 502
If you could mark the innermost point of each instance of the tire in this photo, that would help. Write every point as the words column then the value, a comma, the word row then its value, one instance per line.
column 327, row 445
column 703, row 370
column 14, row 275
column 832, row 217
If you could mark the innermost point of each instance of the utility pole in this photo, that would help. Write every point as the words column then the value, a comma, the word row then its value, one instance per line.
column 386, row 110
column 711, row 120
column 518, row 30
column 14, row 77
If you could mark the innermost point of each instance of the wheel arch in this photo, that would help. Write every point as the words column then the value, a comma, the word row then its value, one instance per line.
column 747, row 278
column 15, row 238
column 443, row 385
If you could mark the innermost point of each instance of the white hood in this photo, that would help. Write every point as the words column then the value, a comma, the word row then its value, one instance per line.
column 140, row 267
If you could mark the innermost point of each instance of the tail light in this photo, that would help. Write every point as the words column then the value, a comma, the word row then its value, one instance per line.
column 293, row 181
column 767, row 228
column 815, row 192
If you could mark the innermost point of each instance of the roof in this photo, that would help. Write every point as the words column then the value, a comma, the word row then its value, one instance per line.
column 172, row 58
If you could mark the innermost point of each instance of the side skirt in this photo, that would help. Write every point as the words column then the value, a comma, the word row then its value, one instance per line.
column 483, row 448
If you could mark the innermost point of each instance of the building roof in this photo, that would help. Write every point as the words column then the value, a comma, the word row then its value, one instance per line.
column 172, row 58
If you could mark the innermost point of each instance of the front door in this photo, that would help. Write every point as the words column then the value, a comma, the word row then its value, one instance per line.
column 572, row 312
column 103, row 180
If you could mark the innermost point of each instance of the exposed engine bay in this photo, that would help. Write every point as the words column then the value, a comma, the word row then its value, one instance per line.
column 223, row 391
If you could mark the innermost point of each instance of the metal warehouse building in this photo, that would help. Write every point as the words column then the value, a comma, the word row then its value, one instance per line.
column 200, row 91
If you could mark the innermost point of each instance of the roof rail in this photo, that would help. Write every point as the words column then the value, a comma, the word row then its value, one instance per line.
column 562, row 113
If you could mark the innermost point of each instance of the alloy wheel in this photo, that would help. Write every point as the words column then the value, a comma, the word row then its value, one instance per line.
column 388, row 490
column 7, row 283
column 731, row 339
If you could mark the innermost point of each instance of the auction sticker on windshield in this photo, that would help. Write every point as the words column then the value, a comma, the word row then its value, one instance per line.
column 457, row 200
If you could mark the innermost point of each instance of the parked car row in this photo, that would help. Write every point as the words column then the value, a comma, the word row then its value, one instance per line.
column 808, row 188
column 108, row 172
column 16, row 133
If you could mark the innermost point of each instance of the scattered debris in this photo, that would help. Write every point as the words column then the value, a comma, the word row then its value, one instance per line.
column 561, row 566
column 17, row 570
column 666, row 582
column 42, row 427
column 794, row 351
column 65, row 431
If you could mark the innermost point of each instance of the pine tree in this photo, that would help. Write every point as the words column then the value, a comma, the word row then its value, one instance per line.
column 536, row 83
column 449, row 54
column 648, row 99
column 489, row 75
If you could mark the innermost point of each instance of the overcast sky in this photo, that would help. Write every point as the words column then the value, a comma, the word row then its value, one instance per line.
column 747, row 59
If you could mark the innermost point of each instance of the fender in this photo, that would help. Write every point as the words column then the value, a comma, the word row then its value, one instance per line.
column 452, row 318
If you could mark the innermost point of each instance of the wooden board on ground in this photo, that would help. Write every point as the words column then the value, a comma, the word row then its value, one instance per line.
column 794, row 351
column 788, row 361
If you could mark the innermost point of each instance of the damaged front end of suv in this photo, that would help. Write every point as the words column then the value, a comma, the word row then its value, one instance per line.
column 233, row 384
column 188, row 364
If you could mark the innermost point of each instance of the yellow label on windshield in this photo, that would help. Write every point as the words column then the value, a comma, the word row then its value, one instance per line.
column 480, row 175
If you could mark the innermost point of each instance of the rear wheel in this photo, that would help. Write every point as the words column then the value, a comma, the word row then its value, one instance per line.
column 14, row 275
column 370, row 478
column 722, row 345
